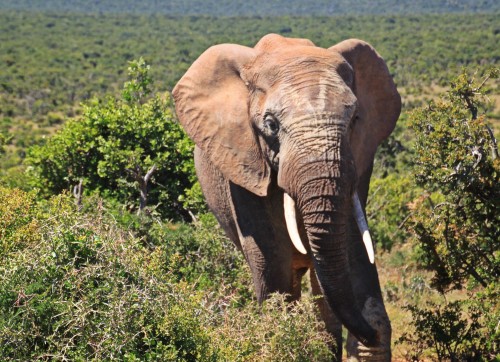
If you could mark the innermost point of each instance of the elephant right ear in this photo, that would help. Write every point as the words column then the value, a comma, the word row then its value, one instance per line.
column 211, row 101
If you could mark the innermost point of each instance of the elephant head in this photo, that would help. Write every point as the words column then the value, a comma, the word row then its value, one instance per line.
column 305, row 118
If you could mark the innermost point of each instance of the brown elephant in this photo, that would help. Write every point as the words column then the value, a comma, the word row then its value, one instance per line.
column 285, row 135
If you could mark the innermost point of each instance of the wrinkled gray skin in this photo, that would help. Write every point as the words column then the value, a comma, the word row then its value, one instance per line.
column 287, row 116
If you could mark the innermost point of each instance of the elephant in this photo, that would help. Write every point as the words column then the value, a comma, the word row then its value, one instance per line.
column 285, row 135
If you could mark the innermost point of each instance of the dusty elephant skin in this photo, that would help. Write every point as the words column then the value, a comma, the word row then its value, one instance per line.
column 289, row 122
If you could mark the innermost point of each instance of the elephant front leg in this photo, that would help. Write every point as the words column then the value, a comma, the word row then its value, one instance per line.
column 263, row 240
column 368, row 295
column 217, row 194
column 375, row 314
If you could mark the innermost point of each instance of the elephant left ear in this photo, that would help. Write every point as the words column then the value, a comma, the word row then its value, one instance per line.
column 379, row 103
column 211, row 101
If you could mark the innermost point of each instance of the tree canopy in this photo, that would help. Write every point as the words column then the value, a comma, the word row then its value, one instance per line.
column 129, row 148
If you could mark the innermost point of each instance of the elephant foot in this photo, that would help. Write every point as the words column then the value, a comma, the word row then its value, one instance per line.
column 374, row 312
column 358, row 353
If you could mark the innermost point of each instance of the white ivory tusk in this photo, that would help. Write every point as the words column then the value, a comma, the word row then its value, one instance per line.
column 291, row 223
column 363, row 227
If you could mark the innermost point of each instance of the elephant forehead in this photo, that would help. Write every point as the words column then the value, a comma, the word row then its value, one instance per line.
column 292, row 53
column 297, row 64
column 306, row 96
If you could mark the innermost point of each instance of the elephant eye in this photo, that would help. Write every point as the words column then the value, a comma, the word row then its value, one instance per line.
column 271, row 125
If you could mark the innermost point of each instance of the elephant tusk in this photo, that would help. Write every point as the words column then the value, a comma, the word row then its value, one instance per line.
column 363, row 227
column 291, row 223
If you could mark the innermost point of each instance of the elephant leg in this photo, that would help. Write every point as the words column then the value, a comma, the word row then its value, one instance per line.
column 332, row 323
column 248, row 221
column 297, row 275
column 215, row 188
column 368, row 295
column 264, row 241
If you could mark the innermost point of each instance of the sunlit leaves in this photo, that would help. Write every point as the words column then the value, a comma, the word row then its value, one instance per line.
column 88, row 289
column 458, row 234
column 139, row 86
column 114, row 145
column 456, row 224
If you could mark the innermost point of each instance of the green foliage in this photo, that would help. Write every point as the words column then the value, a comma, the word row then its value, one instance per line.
column 64, row 159
column 456, row 224
column 193, row 199
column 138, row 86
column 276, row 332
column 391, row 188
column 54, row 61
column 455, row 331
column 85, row 289
column 17, row 220
column 130, row 149
column 3, row 142
column 201, row 255
column 457, row 221
column 387, row 209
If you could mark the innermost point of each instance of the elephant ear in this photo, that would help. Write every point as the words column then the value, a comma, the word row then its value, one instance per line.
column 212, row 105
column 379, row 104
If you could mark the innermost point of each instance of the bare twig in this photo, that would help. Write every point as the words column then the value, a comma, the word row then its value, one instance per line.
column 493, row 143
column 77, row 192
column 149, row 173
column 143, row 188
column 477, row 89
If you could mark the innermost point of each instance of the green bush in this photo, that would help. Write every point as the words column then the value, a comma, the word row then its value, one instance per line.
column 86, row 290
column 455, row 224
column 18, row 223
column 456, row 220
column 276, row 332
column 130, row 149
column 391, row 188
column 455, row 331
column 387, row 209
column 200, row 255
column 83, row 288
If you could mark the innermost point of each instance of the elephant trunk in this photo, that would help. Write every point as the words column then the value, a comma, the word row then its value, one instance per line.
column 327, row 234
column 322, row 189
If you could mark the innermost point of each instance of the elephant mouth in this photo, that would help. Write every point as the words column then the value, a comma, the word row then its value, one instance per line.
column 274, row 155
column 359, row 216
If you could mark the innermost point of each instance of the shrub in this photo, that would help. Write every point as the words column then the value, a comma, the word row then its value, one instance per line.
column 276, row 332
column 391, row 187
column 455, row 223
column 387, row 209
column 86, row 290
column 18, row 223
column 456, row 331
column 130, row 149
column 83, row 288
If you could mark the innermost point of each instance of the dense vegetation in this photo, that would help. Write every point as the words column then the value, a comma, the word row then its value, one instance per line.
column 455, row 223
column 52, row 62
column 76, row 286
column 98, row 280
column 257, row 7
column 130, row 149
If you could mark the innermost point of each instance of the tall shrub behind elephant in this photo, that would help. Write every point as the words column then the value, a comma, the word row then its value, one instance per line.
column 285, row 135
